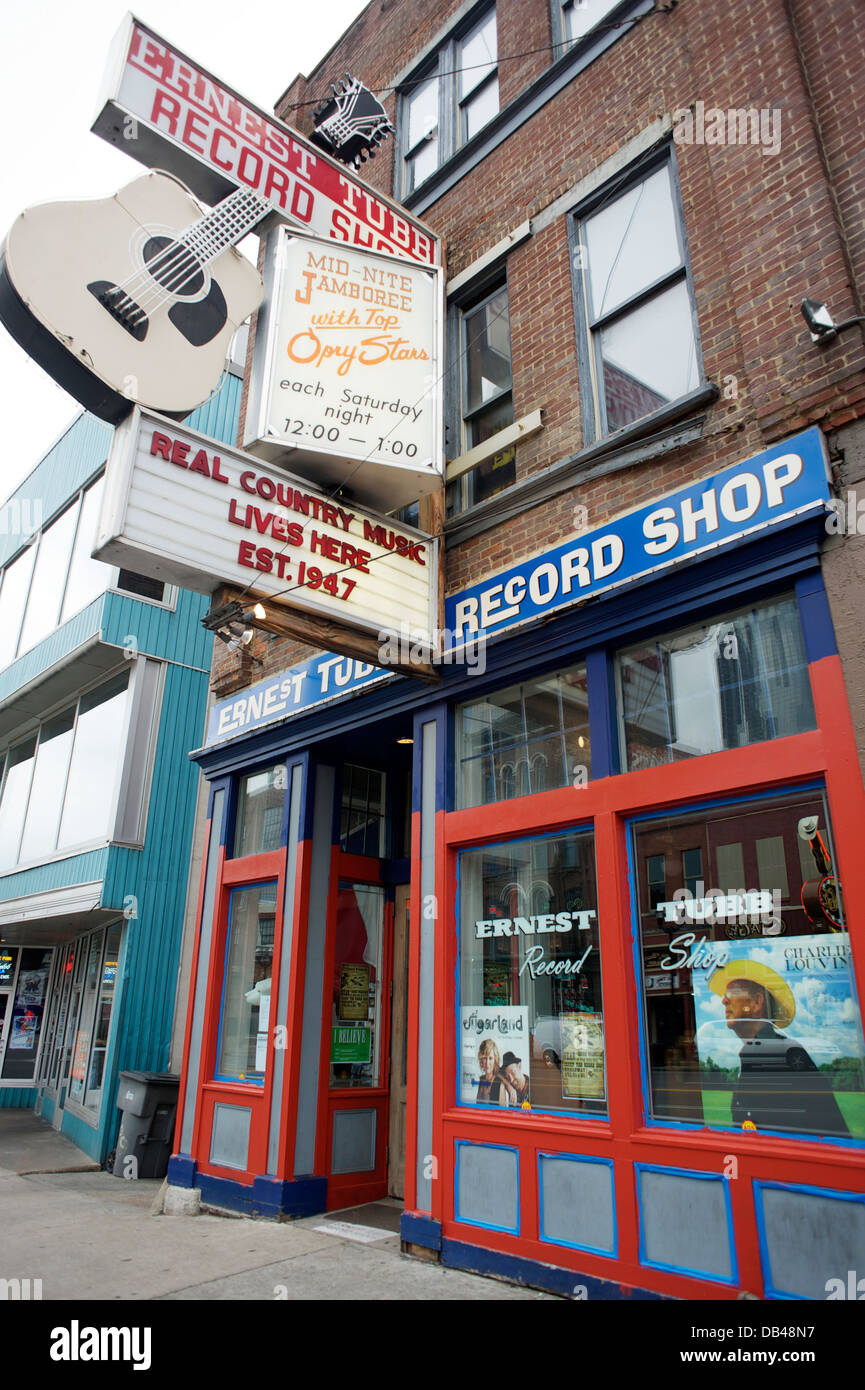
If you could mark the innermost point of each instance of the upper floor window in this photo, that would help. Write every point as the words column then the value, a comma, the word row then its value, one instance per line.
column 635, row 308
column 56, row 577
column 454, row 94
column 573, row 19
column 481, row 328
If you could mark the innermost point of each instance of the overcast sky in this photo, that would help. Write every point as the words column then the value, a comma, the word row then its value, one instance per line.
column 53, row 63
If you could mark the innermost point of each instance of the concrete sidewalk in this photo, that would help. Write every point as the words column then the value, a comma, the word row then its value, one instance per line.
column 30, row 1145
column 88, row 1235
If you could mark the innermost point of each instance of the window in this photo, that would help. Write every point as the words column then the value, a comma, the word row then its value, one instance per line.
column 749, row 1003
column 260, row 801
column 26, row 1015
column 59, row 785
column 573, row 19
column 363, row 826
column 450, row 99
column 56, row 577
column 740, row 679
column 104, row 1007
column 244, row 1019
column 529, row 738
column 483, row 404
column 635, row 308
column 530, row 1019
column 355, row 1038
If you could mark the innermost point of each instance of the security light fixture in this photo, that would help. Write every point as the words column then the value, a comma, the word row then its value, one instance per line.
column 233, row 625
column 821, row 324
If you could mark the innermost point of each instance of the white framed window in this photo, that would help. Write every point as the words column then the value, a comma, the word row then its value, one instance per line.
column 450, row 97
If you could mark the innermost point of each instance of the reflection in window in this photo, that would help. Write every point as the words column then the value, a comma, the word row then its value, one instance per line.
column 530, row 1019
column 355, row 1048
column 750, row 1008
column 244, row 1021
column 260, row 801
column 740, row 679
column 14, row 588
column 88, row 578
column 88, row 809
column 526, row 739
column 102, row 1025
column 49, row 782
column 362, row 825
column 49, row 579
column 13, row 800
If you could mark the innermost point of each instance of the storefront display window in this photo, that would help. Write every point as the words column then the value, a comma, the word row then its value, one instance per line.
column 244, row 1022
column 530, row 1017
column 355, row 1045
column 740, row 679
column 529, row 738
column 25, row 1014
column 260, row 801
column 102, row 1025
column 750, row 1010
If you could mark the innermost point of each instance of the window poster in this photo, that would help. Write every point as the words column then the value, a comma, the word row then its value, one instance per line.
column 354, row 991
column 778, row 1036
column 583, row 1056
column 495, row 1055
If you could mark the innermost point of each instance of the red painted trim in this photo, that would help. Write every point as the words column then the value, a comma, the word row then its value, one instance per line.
column 412, row 1022
column 294, row 1010
column 190, row 997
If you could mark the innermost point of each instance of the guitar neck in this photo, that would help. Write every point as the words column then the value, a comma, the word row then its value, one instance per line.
column 226, row 224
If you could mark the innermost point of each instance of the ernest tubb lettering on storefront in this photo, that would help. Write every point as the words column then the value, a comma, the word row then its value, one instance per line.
column 786, row 482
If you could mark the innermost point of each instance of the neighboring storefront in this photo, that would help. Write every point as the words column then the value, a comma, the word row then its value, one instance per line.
column 589, row 1006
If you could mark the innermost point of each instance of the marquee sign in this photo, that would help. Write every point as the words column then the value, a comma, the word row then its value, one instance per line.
column 347, row 367
column 168, row 112
column 180, row 507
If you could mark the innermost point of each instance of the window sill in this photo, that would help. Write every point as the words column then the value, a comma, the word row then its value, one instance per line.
column 523, row 428
column 659, row 433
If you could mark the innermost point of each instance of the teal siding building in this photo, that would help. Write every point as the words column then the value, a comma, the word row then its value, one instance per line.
column 103, row 690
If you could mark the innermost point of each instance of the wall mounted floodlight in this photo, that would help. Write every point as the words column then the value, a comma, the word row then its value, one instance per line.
column 821, row 324
column 233, row 626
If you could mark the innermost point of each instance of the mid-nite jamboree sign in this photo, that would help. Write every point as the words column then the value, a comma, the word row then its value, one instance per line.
column 348, row 367
column 787, row 481
column 168, row 112
column 187, row 510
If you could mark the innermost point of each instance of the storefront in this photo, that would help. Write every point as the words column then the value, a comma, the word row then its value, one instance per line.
column 616, row 1041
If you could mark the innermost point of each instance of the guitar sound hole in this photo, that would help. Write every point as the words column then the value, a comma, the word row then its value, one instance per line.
column 173, row 266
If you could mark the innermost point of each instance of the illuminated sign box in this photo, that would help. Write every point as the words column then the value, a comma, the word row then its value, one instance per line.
column 185, row 509
column 346, row 379
column 168, row 112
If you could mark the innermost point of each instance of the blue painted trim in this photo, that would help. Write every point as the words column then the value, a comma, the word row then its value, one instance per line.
column 420, row 1230
column 395, row 871
column 299, row 1197
column 181, row 1170
column 759, row 1185
column 290, row 765
column 733, row 1280
column 475, row 1259
column 440, row 715
column 603, row 719
column 307, row 813
column 467, row 1221
column 240, row 888
column 572, row 1244
column 818, row 631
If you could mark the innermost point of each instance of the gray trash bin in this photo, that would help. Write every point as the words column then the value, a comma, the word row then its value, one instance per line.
column 148, row 1100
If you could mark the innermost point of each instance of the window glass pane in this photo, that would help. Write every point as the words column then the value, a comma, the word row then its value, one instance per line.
column 422, row 164
column 529, row 738
column 740, row 679
column 477, row 56
column 13, row 800
column 531, row 1011
column 487, row 338
column 13, row 596
column 630, row 243
column 244, row 1024
column 28, row 1012
column 141, row 585
column 498, row 472
column 88, row 578
column 480, row 108
column 582, row 15
column 422, row 107
column 355, row 1044
column 260, row 801
column 363, row 824
column 750, row 1007
column 49, row 579
column 102, row 1026
column 49, row 781
column 84, row 1033
column 649, row 357
column 88, row 807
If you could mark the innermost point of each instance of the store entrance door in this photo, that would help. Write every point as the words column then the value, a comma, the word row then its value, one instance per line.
column 398, row 1042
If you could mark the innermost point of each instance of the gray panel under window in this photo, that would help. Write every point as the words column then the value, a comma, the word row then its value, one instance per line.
column 739, row 679
column 229, row 1137
column 577, row 1203
column 354, row 1133
column 810, row 1239
column 488, row 1186
column 684, row 1223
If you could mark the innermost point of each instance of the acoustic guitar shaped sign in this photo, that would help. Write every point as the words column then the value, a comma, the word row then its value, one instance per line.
column 131, row 299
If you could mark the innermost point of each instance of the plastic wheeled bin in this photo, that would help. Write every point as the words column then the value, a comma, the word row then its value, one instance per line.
column 148, row 1100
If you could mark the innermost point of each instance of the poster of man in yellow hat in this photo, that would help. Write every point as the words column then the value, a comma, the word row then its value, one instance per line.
column 779, row 1040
